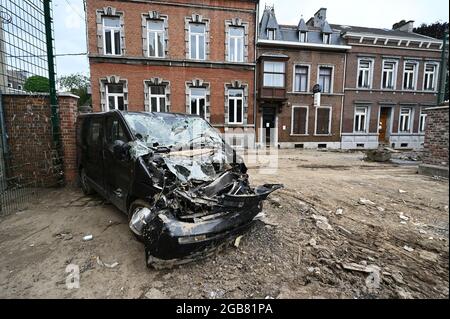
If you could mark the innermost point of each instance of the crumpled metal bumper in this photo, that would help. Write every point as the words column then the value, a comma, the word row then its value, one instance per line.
column 171, row 241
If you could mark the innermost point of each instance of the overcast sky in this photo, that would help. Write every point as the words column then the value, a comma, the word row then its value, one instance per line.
column 70, row 31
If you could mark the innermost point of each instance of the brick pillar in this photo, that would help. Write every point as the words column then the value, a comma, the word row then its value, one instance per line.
column 68, row 111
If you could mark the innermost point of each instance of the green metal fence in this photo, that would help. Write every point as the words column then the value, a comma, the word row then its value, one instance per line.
column 28, row 104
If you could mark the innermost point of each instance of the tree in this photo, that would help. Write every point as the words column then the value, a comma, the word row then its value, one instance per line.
column 77, row 84
column 37, row 83
column 436, row 30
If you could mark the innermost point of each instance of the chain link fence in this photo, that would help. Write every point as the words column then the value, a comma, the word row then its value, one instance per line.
column 30, row 151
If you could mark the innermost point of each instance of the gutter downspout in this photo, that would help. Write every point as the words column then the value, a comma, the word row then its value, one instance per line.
column 255, row 73
column 343, row 96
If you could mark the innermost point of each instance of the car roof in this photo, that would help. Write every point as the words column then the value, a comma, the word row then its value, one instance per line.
column 155, row 114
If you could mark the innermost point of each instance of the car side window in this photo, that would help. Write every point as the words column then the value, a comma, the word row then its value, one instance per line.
column 95, row 132
column 115, row 131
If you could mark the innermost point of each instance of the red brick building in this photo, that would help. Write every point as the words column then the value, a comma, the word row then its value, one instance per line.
column 175, row 56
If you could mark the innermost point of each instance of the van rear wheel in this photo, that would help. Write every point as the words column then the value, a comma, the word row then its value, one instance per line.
column 87, row 189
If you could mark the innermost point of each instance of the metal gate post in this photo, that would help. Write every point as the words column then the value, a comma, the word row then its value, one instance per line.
column 51, row 73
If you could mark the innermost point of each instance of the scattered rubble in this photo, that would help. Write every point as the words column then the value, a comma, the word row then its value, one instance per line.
column 237, row 241
column 364, row 201
column 322, row 222
column 154, row 293
column 379, row 155
column 407, row 248
column 64, row 236
column 103, row 264
column 88, row 238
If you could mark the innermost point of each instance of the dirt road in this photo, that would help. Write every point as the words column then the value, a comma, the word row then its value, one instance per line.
column 342, row 228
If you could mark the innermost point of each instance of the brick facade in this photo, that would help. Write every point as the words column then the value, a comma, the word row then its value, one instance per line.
column 313, row 59
column 436, row 137
column 138, row 69
column 32, row 160
column 392, row 100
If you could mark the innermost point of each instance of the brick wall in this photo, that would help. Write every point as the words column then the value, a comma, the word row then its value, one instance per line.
column 436, row 137
column 68, row 111
column 32, row 160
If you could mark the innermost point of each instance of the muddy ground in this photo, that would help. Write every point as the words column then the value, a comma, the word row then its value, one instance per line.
column 342, row 228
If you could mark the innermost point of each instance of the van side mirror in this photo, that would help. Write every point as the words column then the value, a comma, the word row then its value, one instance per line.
column 120, row 150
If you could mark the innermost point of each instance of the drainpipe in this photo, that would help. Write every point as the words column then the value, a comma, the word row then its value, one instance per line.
column 343, row 96
column 443, row 73
column 255, row 73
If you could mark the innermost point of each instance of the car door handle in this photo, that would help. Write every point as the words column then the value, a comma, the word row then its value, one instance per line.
column 118, row 193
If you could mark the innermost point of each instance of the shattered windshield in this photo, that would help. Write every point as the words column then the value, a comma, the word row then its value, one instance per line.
column 172, row 131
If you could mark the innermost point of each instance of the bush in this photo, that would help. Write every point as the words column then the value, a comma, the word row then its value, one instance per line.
column 37, row 83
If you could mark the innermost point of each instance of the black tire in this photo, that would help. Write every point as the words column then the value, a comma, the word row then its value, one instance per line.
column 139, row 203
column 85, row 186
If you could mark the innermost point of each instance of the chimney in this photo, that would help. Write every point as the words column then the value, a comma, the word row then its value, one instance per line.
column 320, row 17
column 407, row 26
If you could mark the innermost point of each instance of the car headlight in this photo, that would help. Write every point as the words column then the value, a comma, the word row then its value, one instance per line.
column 139, row 220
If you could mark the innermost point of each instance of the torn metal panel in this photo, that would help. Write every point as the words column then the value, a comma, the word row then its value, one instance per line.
column 198, row 191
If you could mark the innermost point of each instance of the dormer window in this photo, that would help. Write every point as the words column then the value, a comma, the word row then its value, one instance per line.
column 303, row 36
column 271, row 34
column 326, row 38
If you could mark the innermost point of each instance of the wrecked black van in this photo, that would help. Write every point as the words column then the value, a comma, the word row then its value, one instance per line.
column 184, row 190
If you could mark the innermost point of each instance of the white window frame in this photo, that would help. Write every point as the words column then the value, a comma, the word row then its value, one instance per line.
column 394, row 76
column 273, row 73
column 422, row 122
column 235, row 99
column 197, row 98
column 329, row 120
column 271, row 32
column 112, row 31
column 326, row 38
column 308, row 88
column 400, row 122
column 414, row 73
column 158, row 98
column 370, row 73
column 366, row 116
column 435, row 76
column 332, row 76
column 156, row 32
column 197, row 42
column 239, row 56
column 115, row 95
column 307, row 120
column 300, row 33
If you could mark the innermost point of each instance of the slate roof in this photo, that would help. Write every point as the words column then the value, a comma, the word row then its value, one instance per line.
column 302, row 25
column 380, row 32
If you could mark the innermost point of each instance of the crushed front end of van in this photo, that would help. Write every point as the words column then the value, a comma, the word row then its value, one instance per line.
column 203, row 197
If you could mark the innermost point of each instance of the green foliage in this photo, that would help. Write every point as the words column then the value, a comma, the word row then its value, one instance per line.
column 77, row 84
column 37, row 83
column 436, row 30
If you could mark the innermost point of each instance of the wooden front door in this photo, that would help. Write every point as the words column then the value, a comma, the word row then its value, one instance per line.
column 384, row 122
